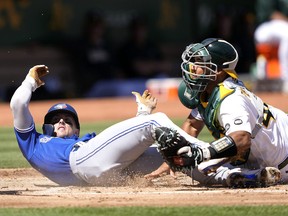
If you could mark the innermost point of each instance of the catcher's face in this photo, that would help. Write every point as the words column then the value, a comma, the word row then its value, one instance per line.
column 196, row 71
column 197, row 68
column 64, row 125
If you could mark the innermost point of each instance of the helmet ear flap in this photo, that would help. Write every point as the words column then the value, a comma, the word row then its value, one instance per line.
column 186, row 96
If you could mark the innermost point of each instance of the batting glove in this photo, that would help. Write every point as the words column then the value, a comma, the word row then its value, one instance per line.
column 34, row 75
column 146, row 103
column 37, row 72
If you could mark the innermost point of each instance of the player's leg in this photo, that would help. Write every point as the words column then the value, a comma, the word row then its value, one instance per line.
column 237, row 177
column 118, row 146
column 218, row 177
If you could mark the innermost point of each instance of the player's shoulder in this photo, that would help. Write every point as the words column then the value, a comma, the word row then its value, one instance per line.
column 238, row 93
column 231, row 83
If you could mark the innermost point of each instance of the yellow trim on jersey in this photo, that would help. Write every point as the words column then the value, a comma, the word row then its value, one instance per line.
column 232, row 73
column 208, row 109
column 224, row 92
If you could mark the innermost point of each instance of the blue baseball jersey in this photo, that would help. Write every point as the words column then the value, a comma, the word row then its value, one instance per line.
column 50, row 155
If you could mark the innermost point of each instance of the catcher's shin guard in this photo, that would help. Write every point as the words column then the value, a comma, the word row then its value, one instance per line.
column 176, row 150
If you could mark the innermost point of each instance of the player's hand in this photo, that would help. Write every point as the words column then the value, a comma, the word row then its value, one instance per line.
column 146, row 102
column 163, row 169
column 37, row 72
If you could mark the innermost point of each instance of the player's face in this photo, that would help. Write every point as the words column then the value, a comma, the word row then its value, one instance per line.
column 195, row 71
column 64, row 125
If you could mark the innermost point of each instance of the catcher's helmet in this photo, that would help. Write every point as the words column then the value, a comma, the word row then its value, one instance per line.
column 212, row 55
column 61, row 108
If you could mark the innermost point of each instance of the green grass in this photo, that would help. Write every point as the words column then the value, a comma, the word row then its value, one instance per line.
column 151, row 211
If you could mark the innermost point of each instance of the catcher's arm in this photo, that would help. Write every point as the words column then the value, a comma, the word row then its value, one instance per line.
column 192, row 126
column 182, row 155
column 234, row 148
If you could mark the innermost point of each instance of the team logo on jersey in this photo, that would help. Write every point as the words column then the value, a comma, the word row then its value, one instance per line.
column 238, row 122
column 45, row 139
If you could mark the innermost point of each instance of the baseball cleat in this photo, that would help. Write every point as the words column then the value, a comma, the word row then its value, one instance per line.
column 270, row 176
column 266, row 177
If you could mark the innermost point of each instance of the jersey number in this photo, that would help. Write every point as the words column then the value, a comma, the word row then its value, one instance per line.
column 267, row 117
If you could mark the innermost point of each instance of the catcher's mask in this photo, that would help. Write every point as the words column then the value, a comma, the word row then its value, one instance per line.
column 61, row 108
column 211, row 55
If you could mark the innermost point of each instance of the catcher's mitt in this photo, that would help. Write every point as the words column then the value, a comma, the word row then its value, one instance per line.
column 178, row 153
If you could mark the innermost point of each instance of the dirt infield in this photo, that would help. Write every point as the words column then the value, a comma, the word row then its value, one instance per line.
column 27, row 188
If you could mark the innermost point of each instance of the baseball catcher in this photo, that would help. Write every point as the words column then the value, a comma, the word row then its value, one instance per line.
column 250, row 146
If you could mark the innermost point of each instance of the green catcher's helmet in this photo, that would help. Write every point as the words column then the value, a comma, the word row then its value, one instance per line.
column 212, row 55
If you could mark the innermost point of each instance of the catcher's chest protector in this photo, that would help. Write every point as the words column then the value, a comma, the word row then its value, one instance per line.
column 208, row 109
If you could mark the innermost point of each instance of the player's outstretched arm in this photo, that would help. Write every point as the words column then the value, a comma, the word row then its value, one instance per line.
column 21, row 98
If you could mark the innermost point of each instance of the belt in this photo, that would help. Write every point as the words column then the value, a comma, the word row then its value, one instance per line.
column 283, row 164
column 75, row 148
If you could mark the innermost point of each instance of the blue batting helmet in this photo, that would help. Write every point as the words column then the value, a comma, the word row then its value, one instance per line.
column 61, row 108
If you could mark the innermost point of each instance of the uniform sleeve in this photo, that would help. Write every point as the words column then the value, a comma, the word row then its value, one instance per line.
column 236, row 113
column 19, row 103
column 195, row 113
column 27, row 139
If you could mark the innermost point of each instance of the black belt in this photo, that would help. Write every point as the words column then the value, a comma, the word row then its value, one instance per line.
column 283, row 164
column 75, row 148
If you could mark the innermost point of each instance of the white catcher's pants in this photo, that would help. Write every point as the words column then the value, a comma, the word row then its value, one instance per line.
column 121, row 147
